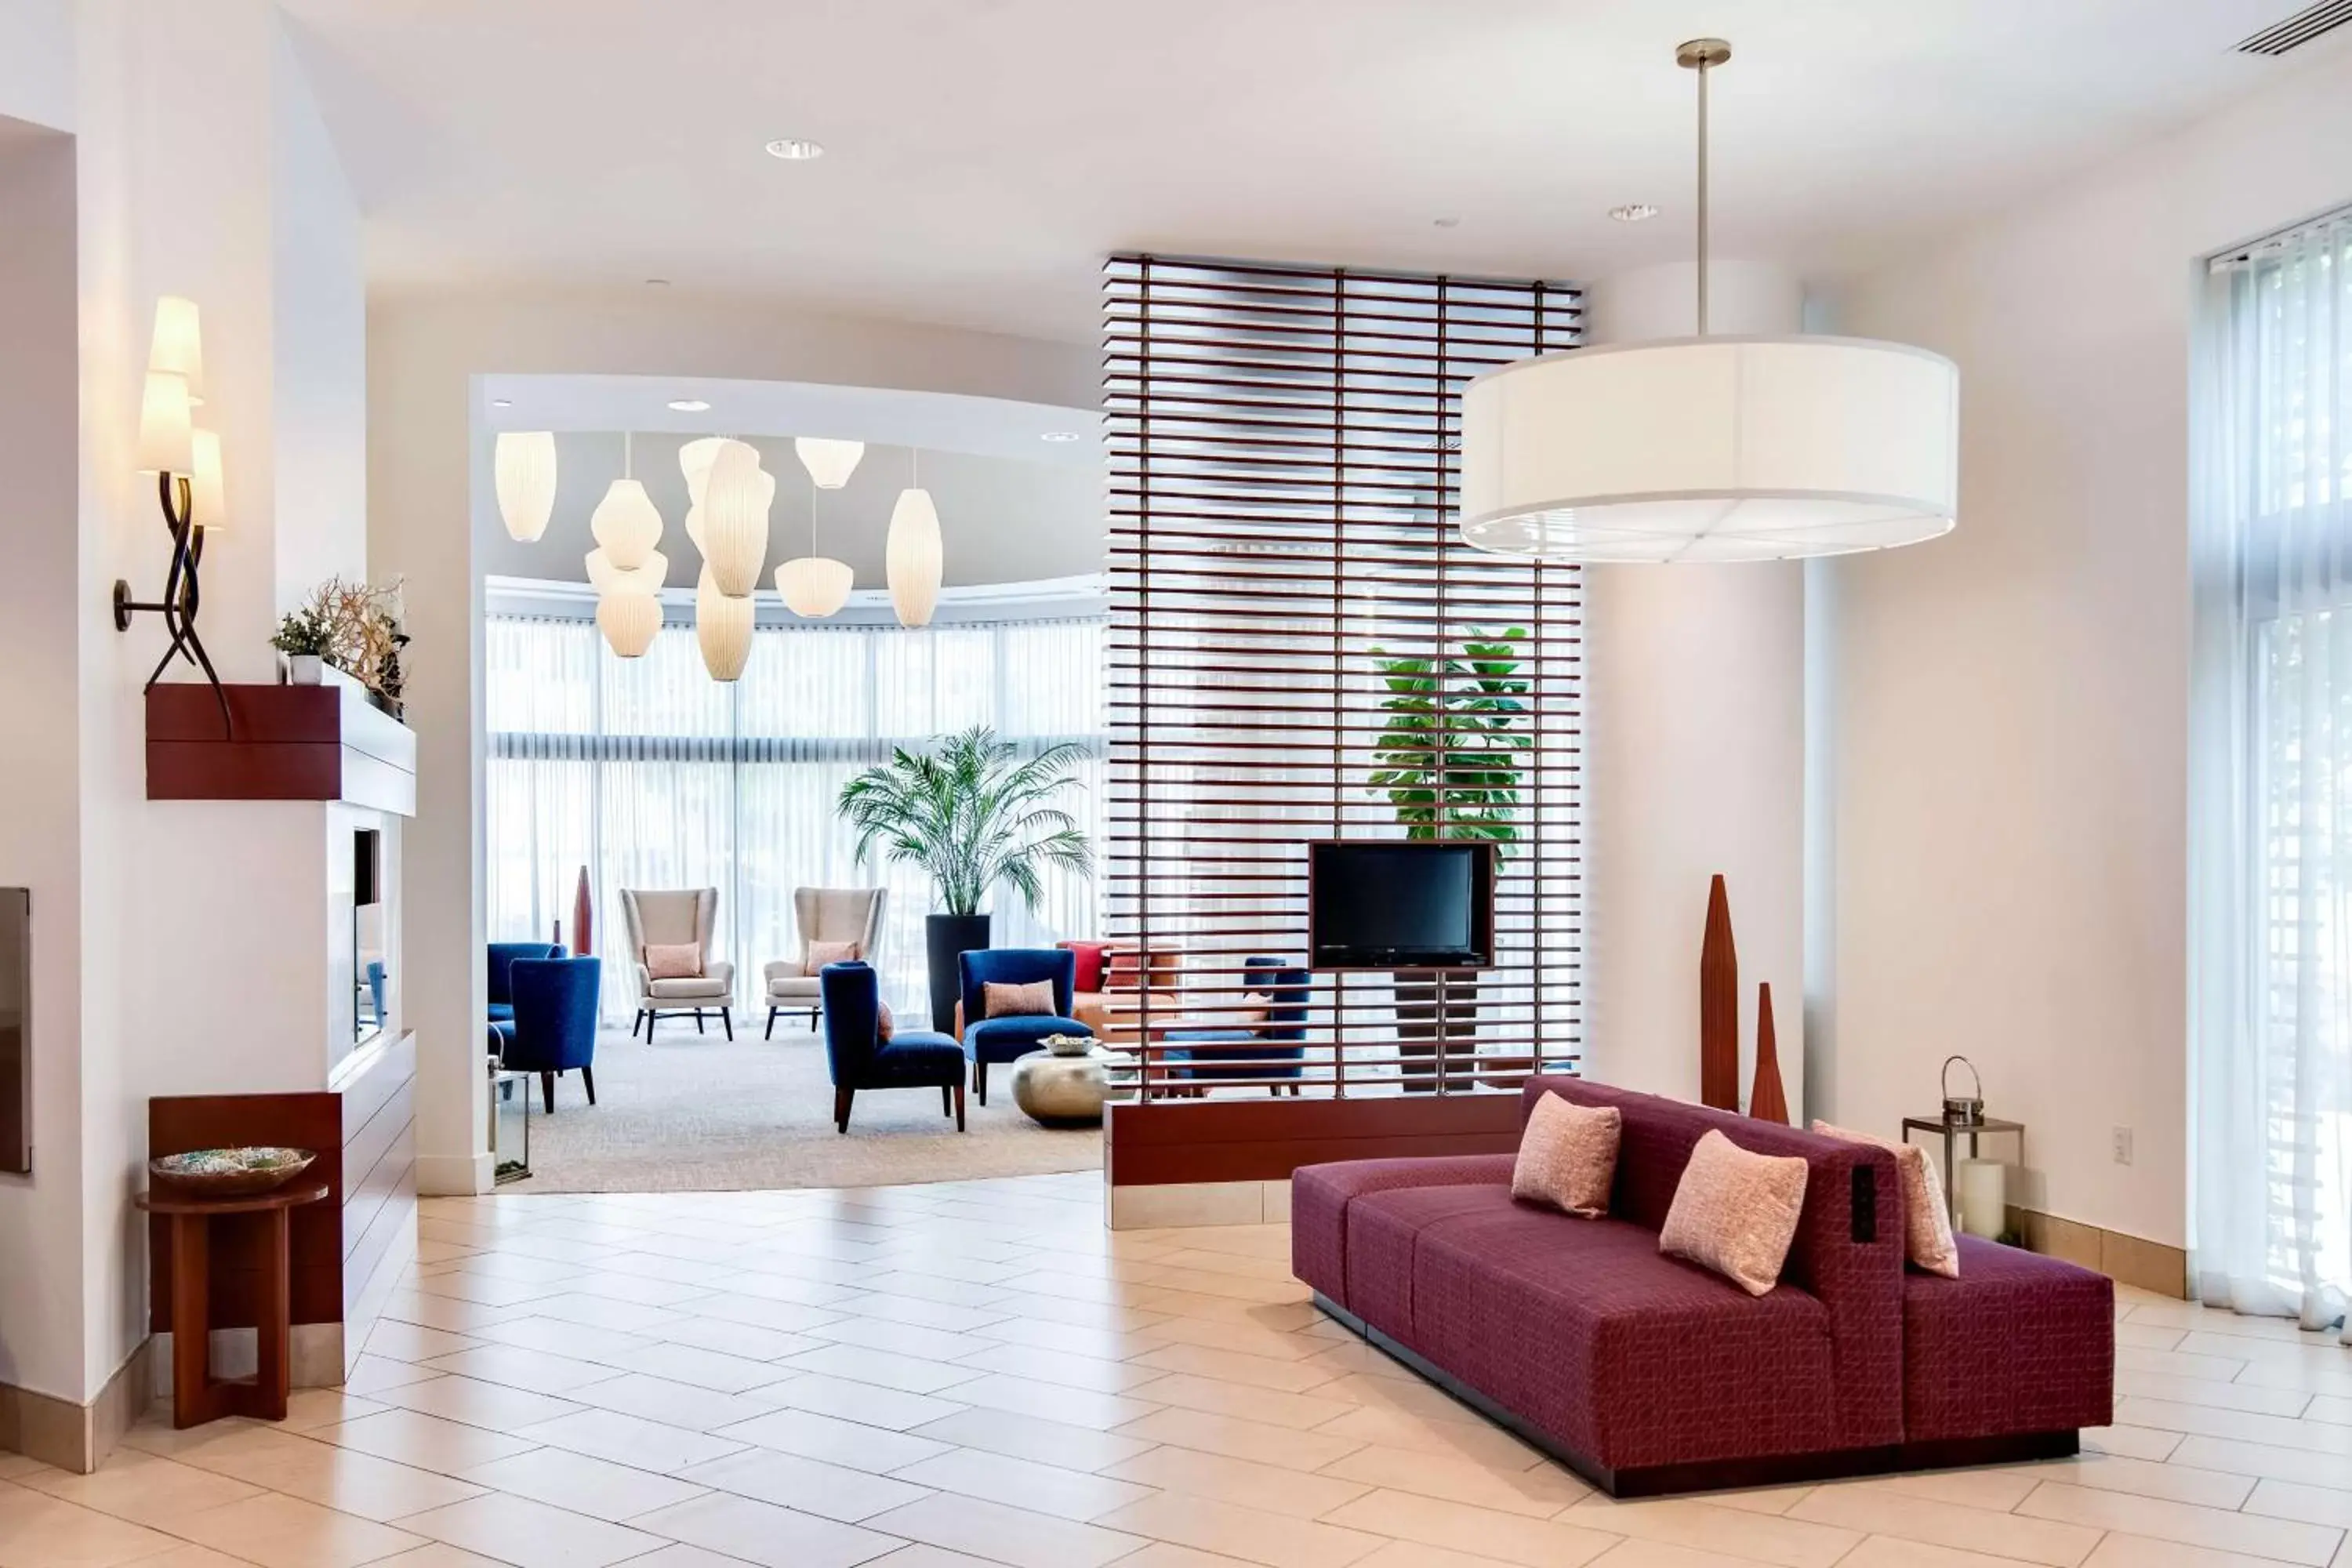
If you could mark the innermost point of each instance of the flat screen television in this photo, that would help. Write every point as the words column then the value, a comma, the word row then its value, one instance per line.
column 1391, row 904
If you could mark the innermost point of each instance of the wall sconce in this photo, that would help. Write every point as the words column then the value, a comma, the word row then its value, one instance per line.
column 187, row 463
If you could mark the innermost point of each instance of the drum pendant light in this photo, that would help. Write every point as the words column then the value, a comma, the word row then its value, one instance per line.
column 913, row 557
column 1711, row 449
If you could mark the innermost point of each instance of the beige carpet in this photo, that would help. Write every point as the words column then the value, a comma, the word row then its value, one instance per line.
column 692, row 1114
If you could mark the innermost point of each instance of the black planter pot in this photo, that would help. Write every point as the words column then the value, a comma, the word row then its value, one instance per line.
column 1418, row 993
column 945, row 936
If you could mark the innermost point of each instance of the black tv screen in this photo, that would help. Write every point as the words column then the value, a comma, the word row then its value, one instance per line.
column 1381, row 904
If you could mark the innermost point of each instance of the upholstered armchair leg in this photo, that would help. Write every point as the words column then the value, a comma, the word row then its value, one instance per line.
column 841, row 1099
column 727, row 1021
column 697, row 1023
column 547, row 1091
column 946, row 1099
column 588, row 1082
column 980, row 1079
column 771, row 1024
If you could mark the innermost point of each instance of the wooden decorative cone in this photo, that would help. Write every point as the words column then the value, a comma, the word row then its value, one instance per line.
column 584, row 930
column 1766, row 1102
column 1718, row 1007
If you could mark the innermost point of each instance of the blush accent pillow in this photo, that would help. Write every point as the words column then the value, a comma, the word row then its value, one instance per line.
column 1094, row 957
column 883, row 1025
column 821, row 953
column 1736, row 1212
column 1567, row 1156
column 1927, row 1222
column 674, row 961
column 999, row 1000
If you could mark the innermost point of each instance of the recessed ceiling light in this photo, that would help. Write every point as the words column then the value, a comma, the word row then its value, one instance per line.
column 1633, row 212
column 795, row 149
column 502, row 403
column 1060, row 436
column 1447, row 222
column 656, row 282
column 689, row 405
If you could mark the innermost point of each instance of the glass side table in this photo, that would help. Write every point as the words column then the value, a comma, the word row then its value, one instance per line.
column 509, row 1109
column 1952, row 1132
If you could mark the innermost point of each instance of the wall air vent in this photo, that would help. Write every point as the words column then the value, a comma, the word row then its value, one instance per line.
column 2293, row 32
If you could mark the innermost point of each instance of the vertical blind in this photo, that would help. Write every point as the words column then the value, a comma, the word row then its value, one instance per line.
column 652, row 775
column 1301, row 646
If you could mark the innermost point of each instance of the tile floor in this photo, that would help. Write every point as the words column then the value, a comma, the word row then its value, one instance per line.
column 978, row 1374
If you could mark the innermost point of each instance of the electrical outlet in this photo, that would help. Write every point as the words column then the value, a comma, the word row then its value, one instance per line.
column 2123, row 1145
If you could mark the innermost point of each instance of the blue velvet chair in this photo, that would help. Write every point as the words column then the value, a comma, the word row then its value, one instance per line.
column 860, row 1056
column 1274, row 1052
column 554, row 1024
column 503, row 954
column 987, row 1040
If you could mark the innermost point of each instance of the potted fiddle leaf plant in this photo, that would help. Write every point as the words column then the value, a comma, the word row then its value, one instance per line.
column 973, row 813
column 1452, row 758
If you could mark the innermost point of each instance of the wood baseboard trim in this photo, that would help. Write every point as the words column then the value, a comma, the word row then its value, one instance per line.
column 2127, row 1259
column 71, row 1437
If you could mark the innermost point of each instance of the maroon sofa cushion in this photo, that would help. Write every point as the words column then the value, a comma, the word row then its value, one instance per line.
column 1319, row 1195
column 1586, row 1330
column 2018, row 1343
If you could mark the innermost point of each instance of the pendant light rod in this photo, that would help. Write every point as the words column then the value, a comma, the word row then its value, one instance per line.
column 1702, row 55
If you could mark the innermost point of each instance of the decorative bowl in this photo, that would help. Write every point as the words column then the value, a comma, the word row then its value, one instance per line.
column 1068, row 1045
column 229, row 1172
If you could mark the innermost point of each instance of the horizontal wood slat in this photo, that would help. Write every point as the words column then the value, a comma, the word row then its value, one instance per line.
column 1283, row 453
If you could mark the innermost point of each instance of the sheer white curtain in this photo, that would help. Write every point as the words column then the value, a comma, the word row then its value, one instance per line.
column 2270, row 783
column 654, row 775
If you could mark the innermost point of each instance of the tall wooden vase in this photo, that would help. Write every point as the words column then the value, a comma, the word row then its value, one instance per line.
column 583, row 930
column 1718, row 1007
column 1766, row 1102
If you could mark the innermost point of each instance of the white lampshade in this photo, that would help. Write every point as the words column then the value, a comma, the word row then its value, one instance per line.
column 627, row 523
column 912, row 558
column 166, row 434
column 629, row 622
column 523, row 466
column 207, row 494
column 607, row 578
column 829, row 463
column 694, row 461
column 1711, row 449
column 815, row 585
column 178, row 345
column 722, row 626
column 735, row 501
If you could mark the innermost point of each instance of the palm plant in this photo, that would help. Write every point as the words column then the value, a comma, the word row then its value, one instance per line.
column 972, row 813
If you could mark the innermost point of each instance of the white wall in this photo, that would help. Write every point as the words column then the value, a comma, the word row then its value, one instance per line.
column 2012, row 755
column 36, row 52
column 429, row 498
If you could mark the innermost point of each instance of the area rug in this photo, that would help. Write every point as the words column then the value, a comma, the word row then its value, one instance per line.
column 695, row 1113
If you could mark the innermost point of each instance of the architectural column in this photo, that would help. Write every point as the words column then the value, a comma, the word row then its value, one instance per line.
column 1696, row 754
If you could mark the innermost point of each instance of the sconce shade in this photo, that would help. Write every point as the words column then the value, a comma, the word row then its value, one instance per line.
column 208, row 495
column 177, row 345
column 912, row 558
column 524, row 468
column 735, row 501
column 694, row 461
column 607, row 578
column 723, row 626
column 166, row 434
column 627, row 523
column 628, row 621
column 815, row 585
column 829, row 463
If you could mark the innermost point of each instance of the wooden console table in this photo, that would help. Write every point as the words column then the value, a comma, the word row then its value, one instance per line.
column 196, row 1395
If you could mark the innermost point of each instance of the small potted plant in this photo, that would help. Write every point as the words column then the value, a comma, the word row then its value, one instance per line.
column 303, row 637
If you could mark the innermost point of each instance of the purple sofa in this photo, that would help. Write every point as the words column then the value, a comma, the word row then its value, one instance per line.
column 1649, row 1374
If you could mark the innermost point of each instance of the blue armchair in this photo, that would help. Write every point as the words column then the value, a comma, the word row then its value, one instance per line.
column 502, row 956
column 860, row 1056
column 988, row 1040
column 554, row 1024
column 1274, row 1052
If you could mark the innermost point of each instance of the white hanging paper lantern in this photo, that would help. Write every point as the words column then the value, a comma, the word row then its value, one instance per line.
column 829, row 463
column 629, row 622
column 607, row 578
column 523, row 466
column 735, row 501
column 694, row 461
column 694, row 526
column 815, row 585
column 722, row 626
column 627, row 523
column 913, row 559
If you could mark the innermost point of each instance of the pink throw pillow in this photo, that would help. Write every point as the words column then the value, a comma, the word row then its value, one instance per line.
column 674, row 961
column 1736, row 1212
column 883, row 1023
column 1927, row 1222
column 999, row 1000
column 1567, row 1156
column 821, row 953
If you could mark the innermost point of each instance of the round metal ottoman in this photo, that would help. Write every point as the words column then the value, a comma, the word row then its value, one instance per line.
column 1060, row 1088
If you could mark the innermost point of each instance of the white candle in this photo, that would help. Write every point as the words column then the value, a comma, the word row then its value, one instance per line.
column 1984, row 1197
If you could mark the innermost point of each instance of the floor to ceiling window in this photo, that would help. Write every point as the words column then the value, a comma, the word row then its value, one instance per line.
column 2271, row 801
column 651, row 774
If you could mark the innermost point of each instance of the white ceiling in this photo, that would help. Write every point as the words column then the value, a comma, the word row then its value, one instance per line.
column 984, row 154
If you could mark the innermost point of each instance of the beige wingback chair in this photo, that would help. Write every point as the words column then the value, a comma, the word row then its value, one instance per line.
column 823, row 914
column 670, row 918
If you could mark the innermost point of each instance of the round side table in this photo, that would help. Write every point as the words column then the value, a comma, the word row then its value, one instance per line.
column 1059, row 1091
column 196, row 1395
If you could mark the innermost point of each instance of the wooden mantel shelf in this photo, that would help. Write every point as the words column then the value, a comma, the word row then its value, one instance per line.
column 293, row 743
